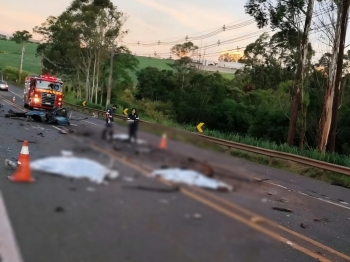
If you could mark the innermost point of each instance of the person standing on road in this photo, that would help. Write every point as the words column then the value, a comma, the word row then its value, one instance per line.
column 133, row 119
column 109, row 123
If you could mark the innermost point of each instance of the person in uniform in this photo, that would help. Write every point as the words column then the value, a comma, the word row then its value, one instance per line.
column 109, row 123
column 133, row 119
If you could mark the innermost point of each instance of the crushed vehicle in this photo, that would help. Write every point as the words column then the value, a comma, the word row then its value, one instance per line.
column 54, row 117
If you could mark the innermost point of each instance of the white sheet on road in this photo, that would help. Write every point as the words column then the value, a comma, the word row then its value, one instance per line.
column 73, row 167
column 190, row 177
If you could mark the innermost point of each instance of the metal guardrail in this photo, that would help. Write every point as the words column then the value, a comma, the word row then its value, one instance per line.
column 325, row 166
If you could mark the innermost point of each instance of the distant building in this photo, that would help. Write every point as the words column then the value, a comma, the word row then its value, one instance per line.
column 34, row 40
column 230, row 65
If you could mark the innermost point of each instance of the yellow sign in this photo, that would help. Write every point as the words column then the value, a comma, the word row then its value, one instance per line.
column 84, row 103
column 125, row 111
column 199, row 127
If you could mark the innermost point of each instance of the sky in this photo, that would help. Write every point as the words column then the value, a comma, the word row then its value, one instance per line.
column 150, row 21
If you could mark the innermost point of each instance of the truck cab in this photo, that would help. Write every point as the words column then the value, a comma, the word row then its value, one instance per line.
column 43, row 92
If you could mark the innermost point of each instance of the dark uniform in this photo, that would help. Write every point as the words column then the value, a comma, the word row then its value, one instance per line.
column 133, row 118
column 109, row 122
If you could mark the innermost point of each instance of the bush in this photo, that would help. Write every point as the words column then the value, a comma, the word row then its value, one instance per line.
column 11, row 74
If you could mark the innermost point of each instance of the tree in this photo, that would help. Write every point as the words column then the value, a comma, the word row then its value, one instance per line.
column 227, row 57
column 283, row 16
column 80, row 40
column 21, row 37
column 332, row 94
column 183, row 50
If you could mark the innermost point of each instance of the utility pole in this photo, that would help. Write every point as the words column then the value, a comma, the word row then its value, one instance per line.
column 335, row 108
column 300, row 75
column 20, row 69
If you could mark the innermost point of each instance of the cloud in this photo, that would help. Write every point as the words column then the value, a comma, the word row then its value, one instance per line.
column 191, row 16
column 13, row 23
column 138, row 22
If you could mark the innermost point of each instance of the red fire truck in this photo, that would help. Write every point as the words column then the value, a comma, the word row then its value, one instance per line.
column 43, row 92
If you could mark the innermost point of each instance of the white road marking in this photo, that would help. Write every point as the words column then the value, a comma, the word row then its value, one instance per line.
column 90, row 122
column 304, row 194
column 58, row 128
column 9, row 250
column 16, row 94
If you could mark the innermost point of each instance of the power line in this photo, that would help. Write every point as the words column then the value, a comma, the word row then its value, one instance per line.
column 215, row 32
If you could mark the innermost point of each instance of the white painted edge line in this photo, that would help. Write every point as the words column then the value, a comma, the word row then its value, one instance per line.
column 9, row 251
column 304, row 194
column 59, row 129
column 16, row 94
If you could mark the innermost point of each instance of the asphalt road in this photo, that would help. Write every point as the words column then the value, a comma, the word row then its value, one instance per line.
column 114, row 223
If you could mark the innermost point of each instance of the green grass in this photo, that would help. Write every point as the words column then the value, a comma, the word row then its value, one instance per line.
column 10, row 55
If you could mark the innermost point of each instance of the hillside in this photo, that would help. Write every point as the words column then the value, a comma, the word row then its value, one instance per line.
column 10, row 55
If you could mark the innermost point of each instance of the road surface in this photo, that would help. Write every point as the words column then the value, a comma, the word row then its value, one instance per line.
column 60, row 219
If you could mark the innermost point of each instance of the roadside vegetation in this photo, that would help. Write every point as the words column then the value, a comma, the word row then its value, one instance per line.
column 280, row 100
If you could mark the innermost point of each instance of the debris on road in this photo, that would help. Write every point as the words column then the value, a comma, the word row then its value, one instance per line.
column 303, row 225
column 197, row 216
column 282, row 209
column 30, row 142
column 163, row 190
column 128, row 179
column 73, row 167
column 91, row 189
column 55, row 117
column 192, row 178
column 10, row 163
column 322, row 220
column 59, row 209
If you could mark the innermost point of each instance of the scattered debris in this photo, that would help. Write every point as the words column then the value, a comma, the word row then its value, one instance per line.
column 66, row 153
column 30, row 142
column 40, row 134
column 59, row 209
column 54, row 117
column 191, row 178
column 201, row 167
column 164, row 190
column 303, row 225
column 73, row 167
column 113, row 174
column 10, row 163
column 322, row 220
column 282, row 209
column 264, row 200
column 261, row 179
column 197, row 216
column 128, row 179
column 1, row 106
column 282, row 200
column 91, row 189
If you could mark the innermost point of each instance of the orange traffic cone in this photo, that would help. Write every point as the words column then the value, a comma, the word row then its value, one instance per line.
column 23, row 173
column 162, row 144
column 13, row 99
